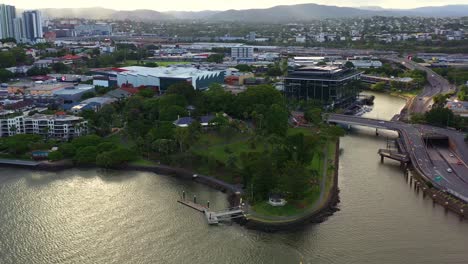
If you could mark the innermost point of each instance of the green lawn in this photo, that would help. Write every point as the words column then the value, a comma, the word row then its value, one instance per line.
column 292, row 207
column 143, row 162
column 303, row 130
column 168, row 63
column 218, row 147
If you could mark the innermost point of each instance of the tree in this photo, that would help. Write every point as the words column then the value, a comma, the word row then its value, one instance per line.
column 151, row 64
column 35, row 71
column 114, row 157
column 171, row 113
column 147, row 93
column 195, row 131
column 294, row 180
column 440, row 100
column 7, row 59
column 5, row 75
column 313, row 115
column 59, row 67
column 86, row 155
column 276, row 120
column 216, row 58
column 88, row 95
column 274, row 70
column 55, row 155
column 349, row 65
column 380, row 86
column 182, row 137
column 164, row 146
column 244, row 68
column 183, row 89
column 86, row 141
column 442, row 117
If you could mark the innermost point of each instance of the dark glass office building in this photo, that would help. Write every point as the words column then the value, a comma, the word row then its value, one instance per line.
column 327, row 84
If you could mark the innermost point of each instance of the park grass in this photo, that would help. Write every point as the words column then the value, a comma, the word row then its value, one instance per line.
column 168, row 63
column 291, row 208
column 297, row 130
column 143, row 162
column 217, row 147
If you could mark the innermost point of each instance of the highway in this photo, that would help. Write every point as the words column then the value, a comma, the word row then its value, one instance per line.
column 436, row 85
column 432, row 163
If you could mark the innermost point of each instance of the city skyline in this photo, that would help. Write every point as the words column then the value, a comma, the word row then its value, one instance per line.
column 184, row 5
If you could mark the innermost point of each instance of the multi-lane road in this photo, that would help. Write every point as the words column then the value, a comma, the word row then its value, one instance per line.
column 436, row 85
column 446, row 169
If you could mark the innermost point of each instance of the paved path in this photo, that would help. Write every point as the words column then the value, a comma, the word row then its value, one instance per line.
column 19, row 162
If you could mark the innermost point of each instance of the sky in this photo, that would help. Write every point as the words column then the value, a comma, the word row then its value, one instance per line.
column 198, row 5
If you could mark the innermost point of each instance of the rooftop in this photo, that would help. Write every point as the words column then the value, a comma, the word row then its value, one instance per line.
column 99, row 100
column 168, row 72
column 74, row 90
column 321, row 72
column 55, row 117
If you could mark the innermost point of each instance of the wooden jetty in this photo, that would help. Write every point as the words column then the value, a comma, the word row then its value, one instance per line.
column 198, row 207
column 213, row 218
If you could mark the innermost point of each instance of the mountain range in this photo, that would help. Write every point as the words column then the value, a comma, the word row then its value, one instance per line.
column 283, row 13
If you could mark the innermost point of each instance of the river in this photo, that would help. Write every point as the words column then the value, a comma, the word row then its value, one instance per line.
column 92, row 216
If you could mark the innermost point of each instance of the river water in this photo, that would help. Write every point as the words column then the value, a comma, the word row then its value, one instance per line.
column 90, row 216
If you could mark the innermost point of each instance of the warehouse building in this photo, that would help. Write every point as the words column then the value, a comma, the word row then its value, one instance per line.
column 73, row 94
column 163, row 77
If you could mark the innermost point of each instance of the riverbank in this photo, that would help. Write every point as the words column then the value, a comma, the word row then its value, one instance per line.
column 234, row 192
column 409, row 97
column 321, row 211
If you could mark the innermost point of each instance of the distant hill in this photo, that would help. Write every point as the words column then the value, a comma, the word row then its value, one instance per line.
column 192, row 15
column 283, row 13
column 141, row 15
column 441, row 11
column 104, row 13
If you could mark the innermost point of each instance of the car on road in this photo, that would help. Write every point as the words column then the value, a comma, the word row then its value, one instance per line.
column 382, row 122
column 449, row 170
column 459, row 162
column 451, row 155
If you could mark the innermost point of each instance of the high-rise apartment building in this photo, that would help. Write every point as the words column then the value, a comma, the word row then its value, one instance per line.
column 32, row 21
column 19, row 29
column 7, row 15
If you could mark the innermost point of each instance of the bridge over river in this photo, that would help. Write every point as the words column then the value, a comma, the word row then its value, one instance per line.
column 446, row 169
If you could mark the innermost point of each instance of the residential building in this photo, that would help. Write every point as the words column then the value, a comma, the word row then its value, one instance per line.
column 458, row 108
column 19, row 33
column 62, row 127
column 162, row 77
column 7, row 17
column 11, row 123
column 32, row 25
column 327, row 84
column 242, row 53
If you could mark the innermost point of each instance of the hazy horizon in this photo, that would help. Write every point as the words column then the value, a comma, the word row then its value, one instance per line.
column 190, row 5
